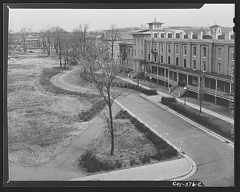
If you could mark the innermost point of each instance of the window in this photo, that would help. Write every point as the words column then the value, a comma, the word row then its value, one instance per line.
column 148, row 57
column 177, row 51
column 162, row 47
column 142, row 53
column 185, row 63
column 142, row 42
column 155, row 58
column 132, row 52
column 233, row 56
column 194, row 65
column 194, row 51
column 134, row 42
column 204, row 66
column 138, row 43
column 169, row 35
column 219, row 68
column 135, row 52
column 162, row 35
column 177, row 61
column 185, row 50
column 169, row 49
column 129, row 52
column 219, row 53
column 155, row 35
column 204, row 52
column 169, row 59
column 161, row 59
column 155, row 47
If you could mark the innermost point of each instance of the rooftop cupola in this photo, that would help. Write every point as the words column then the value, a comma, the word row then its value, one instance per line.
column 155, row 25
column 216, row 29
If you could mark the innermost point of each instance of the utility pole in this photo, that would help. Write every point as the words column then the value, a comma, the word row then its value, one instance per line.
column 202, row 90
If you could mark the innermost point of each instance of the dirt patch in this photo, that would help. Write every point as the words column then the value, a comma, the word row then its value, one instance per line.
column 40, row 125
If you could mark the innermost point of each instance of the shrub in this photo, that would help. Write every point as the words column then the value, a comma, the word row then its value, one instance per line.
column 92, row 164
column 168, row 100
column 145, row 159
column 202, row 119
column 158, row 156
column 90, row 113
column 118, row 164
column 133, row 162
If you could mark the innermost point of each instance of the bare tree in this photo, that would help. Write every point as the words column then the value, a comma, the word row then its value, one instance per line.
column 102, row 69
column 111, row 36
column 59, row 38
column 24, row 33
column 80, row 42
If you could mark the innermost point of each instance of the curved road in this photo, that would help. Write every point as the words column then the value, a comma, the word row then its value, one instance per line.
column 214, row 158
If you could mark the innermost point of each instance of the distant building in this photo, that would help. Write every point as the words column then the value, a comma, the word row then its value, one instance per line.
column 176, row 58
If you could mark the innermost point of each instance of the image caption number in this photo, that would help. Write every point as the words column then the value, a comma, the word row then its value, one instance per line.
column 187, row 184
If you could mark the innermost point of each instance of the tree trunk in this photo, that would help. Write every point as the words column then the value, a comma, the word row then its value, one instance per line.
column 111, row 122
column 60, row 55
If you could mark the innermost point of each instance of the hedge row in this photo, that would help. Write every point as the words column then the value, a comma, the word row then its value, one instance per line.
column 200, row 118
column 165, row 151
column 45, row 82
column 90, row 113
column 122, row 84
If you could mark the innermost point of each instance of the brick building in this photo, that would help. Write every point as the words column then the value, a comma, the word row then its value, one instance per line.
column 200, row 60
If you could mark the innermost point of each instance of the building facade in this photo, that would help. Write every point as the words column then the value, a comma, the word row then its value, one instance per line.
column 193, row 62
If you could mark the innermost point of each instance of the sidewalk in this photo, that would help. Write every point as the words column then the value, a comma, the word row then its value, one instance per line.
column 158, row 98
column 159, row 171
column 168, row 170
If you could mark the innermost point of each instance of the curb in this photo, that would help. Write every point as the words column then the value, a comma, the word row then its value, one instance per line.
column 190, row 121
column 193, row 168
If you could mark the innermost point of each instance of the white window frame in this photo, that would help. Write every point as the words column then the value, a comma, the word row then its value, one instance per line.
column 169, row 48
column 161, row 58
column 184, row 63
column 177, row 63
column 204, row 66
column 194, row 65
column 233, row 56
column 185, row 50
column 169, row 60
column 219, row 53
column 162, row 47
column 204, row 52
column 177, row 49
column 194, row 51
column 219, row 68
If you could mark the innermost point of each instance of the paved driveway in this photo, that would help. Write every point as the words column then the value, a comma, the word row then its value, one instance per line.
column 214, row 158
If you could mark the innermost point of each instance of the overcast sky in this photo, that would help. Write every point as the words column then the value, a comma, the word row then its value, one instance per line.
column 36, row 19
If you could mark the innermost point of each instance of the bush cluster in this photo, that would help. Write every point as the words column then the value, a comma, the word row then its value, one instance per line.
column 166, row 150
column 168, row 100
column 90, row 113
column 197, row 117
column 45, row 82
column 93, row 164
column 138, row 88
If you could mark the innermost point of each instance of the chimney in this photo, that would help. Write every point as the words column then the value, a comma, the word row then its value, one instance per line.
column 190, row 34
column 214, row 35
column 200, row 35
column 174, row 35
column 165, row 34
column 182, row 35
column 228, row 35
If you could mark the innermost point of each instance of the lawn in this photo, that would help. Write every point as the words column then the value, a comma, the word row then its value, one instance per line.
column 41, row 124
